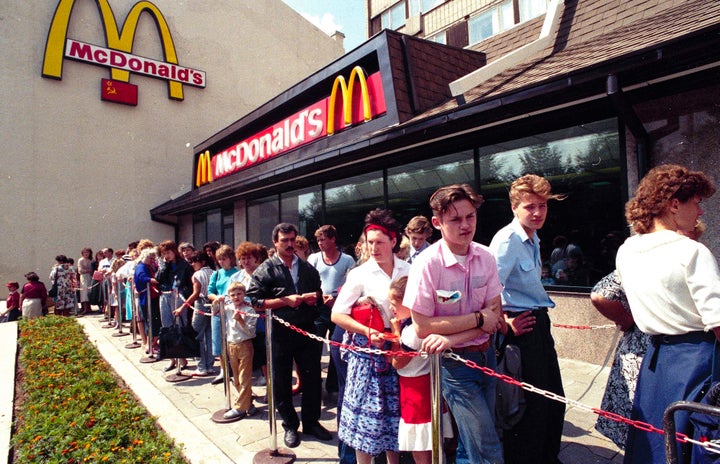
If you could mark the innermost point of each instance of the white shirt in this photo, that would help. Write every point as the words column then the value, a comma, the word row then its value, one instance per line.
column 369, row 280
column 672, row 283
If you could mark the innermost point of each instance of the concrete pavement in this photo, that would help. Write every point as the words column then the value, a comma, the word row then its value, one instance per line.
column 185, row 409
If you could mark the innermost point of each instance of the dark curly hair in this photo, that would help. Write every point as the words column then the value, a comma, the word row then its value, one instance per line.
column 384, row 218
column 661, row 185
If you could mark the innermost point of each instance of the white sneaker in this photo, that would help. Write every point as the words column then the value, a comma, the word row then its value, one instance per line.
column 233, row 414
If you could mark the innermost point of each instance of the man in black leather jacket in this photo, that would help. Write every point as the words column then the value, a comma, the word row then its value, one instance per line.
column 291, row 288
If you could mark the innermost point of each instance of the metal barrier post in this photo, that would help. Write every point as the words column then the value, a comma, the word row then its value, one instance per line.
column 178, row 376
column 106, row 303
column 150, row 358
column 119, row 296
column 273, row 454
column 669, row 424
column 436, row 405
column 133, row 317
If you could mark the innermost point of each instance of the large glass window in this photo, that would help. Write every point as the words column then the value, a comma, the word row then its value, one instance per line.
column 347, row 201
column 215, row 224
column 303, row 208
column 582, row 162
column 579, row 238
column 410, row 186
column 262, row 216
column 394, row 17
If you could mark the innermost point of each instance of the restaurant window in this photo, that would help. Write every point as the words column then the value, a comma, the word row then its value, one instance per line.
column 215, row 224
column 262, row 216
column 302, row 208
column 410, row 186
column 584, row 163
column 347, row 201
column 394, row 17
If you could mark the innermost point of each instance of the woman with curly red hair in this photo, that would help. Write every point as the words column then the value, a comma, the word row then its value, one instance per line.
column 673, row 287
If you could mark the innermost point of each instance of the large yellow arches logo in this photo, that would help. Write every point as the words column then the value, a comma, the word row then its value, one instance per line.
column 204, row 172
column 120, row 40
column 347, row 91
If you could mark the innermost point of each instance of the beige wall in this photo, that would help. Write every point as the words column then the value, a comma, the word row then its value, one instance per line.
column 78, row 171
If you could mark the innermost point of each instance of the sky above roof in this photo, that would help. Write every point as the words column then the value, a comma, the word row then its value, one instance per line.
column 346, row 16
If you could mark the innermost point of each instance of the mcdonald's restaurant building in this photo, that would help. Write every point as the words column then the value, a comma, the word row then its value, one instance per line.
column 591, row 95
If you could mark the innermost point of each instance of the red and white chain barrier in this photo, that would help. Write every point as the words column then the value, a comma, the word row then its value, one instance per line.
column 644, row 426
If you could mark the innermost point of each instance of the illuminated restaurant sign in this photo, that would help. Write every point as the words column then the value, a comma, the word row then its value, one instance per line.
column 361, row 97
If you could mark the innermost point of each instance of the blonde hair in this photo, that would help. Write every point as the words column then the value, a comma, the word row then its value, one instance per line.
column 236, row 286
column 532, row 184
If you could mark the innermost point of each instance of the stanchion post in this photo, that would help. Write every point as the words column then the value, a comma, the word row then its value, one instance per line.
column 119, row 296
column 178, row 376
column 436, row 404
column 151, row 356
column 273, row 454
column 133, row 316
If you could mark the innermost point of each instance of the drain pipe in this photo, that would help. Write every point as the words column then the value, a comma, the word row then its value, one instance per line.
column 518, row 56
column 627, row 114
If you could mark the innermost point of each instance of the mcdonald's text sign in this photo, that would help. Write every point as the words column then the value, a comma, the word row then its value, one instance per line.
column 117, row 55
column 361, row 97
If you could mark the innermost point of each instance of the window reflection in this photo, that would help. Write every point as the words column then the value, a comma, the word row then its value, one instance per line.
column 262, row 216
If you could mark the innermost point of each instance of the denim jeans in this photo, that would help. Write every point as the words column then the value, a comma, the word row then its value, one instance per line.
column 166, row 309
column 470, row 394
column 201, row 325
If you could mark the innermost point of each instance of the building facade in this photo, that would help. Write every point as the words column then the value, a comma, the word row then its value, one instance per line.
column 82, row 170
column 589, row 93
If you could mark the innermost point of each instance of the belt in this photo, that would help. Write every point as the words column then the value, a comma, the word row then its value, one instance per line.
column 691, row 337
column 481, row 348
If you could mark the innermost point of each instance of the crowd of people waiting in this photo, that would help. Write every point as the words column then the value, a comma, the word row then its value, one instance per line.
column 401, row 293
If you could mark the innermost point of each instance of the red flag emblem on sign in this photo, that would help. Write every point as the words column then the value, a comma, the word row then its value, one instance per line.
column 119, row 92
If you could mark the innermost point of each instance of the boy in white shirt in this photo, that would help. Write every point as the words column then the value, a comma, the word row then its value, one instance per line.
column 240, row 323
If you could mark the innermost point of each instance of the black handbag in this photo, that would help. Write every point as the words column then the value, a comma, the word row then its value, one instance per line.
column 178, row 341
column 54, row 289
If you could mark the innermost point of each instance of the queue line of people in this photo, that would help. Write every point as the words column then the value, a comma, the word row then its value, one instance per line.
column 453, row 294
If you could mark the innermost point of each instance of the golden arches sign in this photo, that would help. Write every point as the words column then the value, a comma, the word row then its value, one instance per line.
column 204, row 174
column 346, row 91
column 121, row 40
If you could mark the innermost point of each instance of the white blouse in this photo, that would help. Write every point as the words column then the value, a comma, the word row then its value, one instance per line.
column 672, row 283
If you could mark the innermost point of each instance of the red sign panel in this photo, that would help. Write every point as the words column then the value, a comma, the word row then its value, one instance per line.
column 119, row 92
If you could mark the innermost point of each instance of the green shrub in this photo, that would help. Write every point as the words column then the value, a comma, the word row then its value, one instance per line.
column 72, row 409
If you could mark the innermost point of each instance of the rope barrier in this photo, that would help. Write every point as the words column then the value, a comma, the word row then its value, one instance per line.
column 585, row 327
column 643, row 426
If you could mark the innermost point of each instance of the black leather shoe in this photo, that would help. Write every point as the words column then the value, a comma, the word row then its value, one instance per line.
column 171, row 367
column 292, row 438
column 318, row 431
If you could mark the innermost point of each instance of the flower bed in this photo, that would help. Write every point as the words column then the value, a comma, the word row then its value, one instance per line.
column 71, row 408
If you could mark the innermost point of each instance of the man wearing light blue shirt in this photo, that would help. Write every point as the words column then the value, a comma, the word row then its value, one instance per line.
column 536, row 438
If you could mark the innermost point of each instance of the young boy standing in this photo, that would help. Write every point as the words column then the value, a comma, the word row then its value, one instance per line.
column 537, row 437
column 453, row 287
column 240, row 323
